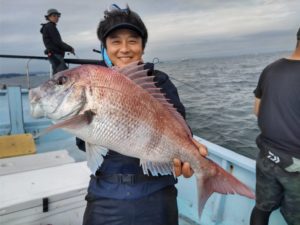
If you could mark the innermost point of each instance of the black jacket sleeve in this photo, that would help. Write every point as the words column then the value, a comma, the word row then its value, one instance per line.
column 56, row 38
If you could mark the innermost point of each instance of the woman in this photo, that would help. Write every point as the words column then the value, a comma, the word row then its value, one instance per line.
column 120, row 193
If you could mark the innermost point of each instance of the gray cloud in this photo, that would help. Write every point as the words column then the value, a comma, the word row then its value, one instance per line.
column 178, row 29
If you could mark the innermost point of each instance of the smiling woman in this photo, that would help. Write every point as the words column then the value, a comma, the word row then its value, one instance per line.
column 124, row 36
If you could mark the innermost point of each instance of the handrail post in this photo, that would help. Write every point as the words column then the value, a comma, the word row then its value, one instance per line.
column 27, row 74
column 51, row 71
column 15, row 110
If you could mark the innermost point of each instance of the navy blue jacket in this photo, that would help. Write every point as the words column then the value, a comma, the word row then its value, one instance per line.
column 115, row 163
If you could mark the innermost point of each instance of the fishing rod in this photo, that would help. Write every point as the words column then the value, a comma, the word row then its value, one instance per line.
column 24, row 57
column 156, row 60
column 191, row 86
column 67, row 60
column 97, row 51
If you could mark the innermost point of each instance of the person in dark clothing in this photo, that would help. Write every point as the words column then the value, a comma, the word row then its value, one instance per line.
column 55, row 47
column 277, row 105
column 119, row 193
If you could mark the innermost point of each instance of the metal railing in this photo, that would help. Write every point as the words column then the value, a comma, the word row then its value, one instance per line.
column 30, row 57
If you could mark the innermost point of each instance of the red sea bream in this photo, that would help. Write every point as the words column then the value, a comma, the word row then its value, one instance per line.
column 121, row 109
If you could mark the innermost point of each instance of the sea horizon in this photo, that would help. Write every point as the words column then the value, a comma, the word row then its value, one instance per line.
column 154, row 60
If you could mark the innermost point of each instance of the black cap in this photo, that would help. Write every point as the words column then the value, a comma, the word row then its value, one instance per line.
column 298, row 34
column 125, row 25
column 117, row 18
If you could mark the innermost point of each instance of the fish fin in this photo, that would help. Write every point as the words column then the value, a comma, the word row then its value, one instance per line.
column 157, row 168
column 131, row 68
column 94, row 155
column 135, row 72
column 72, row 123
column 221, row 182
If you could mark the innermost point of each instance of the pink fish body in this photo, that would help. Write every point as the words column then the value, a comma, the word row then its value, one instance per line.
column 124, row 111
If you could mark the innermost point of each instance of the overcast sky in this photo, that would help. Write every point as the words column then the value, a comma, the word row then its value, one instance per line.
column 177, row 28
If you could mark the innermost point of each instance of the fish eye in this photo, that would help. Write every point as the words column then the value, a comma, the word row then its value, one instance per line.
column 61, row 80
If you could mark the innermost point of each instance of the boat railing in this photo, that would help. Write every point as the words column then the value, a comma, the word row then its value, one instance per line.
column 30, row 58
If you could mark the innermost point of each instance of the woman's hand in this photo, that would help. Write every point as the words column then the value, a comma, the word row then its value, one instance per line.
column 185, row 168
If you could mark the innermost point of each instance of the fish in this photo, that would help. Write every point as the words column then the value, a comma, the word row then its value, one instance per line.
column 123, row 110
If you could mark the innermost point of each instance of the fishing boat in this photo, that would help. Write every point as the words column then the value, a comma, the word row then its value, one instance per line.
column 44, row 180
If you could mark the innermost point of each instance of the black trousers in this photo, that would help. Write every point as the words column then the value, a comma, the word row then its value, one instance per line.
column 159, row 208
column 58, row 63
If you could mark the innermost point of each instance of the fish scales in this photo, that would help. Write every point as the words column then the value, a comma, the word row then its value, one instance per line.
column 135, row 117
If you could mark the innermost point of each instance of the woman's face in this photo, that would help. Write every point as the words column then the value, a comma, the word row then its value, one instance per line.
column 124, row 46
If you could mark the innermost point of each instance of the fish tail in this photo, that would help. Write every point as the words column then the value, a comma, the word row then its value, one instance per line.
column 219, row 181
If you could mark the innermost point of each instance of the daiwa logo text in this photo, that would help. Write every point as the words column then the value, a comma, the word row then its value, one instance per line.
column 273, row 157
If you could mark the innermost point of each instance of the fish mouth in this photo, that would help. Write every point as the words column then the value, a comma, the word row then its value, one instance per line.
column 36, row 106
column 36, row 109
column 33, row 96
column 44, row 104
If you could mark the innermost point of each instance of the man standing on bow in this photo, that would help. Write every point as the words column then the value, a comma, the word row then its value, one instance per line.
column 55, row 47
column 277, row 105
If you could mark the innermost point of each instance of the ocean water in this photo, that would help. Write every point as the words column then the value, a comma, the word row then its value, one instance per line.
column 217, row 94
column 219, row 104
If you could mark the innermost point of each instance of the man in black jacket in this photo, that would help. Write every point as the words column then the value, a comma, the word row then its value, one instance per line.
column 55, row 47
